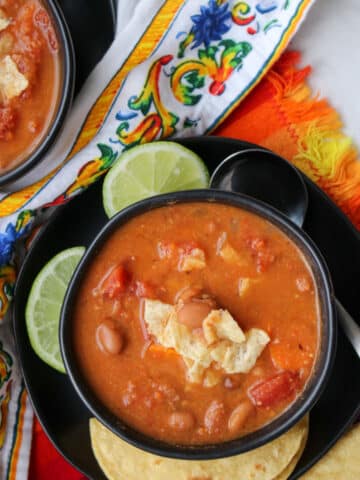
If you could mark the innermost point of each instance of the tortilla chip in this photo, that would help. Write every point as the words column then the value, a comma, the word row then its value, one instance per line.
column 240, row 358
column 156, row 314
column 121, row 461
column 224, row 342
column 194, row 260
column 195, row 371
column 12, row 82
column 342, row 462
column 229, row 254
column 220, row 325
column 4, row 21
column 6, row 43
column 212, row 378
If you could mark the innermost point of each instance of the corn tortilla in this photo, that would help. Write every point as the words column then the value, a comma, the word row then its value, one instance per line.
column 285, row 474
column 342, row 462
column 121, row 461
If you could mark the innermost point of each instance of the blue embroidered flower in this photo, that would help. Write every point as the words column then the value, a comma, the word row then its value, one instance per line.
column 211, row 24
column 7, row 241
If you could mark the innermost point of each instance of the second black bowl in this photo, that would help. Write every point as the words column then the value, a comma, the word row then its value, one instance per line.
column 64, row 102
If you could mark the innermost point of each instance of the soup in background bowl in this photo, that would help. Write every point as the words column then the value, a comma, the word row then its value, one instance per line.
column 36, row 82
column 199, row 324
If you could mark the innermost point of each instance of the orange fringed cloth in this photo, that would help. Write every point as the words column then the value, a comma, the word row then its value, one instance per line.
column 280, row 114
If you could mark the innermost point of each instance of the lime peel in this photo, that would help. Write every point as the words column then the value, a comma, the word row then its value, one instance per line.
column 42, row 313
column 152, row 169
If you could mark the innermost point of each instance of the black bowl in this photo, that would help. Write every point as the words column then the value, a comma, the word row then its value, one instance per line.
column 279, row 425
column 66, row 93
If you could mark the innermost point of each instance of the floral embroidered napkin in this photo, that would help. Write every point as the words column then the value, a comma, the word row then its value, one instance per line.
column 177, row 69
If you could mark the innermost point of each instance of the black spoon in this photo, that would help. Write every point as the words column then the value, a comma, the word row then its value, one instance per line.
column 249, row 172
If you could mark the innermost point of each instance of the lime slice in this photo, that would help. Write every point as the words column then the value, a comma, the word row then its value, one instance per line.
column 43, row 307
column 151, row 169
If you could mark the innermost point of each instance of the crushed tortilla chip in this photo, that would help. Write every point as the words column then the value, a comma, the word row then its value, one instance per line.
column 156, row 314
column 212, row 378
column 240, row 358
column 195, row 371
column 194, row 260
column 219, row 325
column 229, row 254
column 4, row 21
column 223, row 343
column 161, row 321
column 12, row 82
column 226, row 251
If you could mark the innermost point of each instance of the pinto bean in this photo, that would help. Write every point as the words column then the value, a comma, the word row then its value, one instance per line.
column 193, row 313
column 181, row 421
column 109, row 338
column 239, row 416
column 214, row 419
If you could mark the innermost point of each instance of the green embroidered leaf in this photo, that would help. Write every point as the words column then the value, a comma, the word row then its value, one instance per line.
column 174, row 120
column 123, row 126
column 228, row 43
column 188, row 123
column 9, row 290
column 235, row 52
column 195, row 80
column 189, row 81
column 210, row 52
column 23, row 220
column 142, row 103
column 108, row 156
column 105, row 150
column 270, row 24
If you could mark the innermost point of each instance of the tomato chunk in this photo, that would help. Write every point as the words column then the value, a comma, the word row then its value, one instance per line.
column 115, row 283
column 274, row 389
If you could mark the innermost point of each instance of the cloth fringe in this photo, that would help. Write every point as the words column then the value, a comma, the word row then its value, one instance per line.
column 304, row 129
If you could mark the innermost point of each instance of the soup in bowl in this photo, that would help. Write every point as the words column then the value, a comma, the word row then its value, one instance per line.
column 199, row 324
column 36, row 82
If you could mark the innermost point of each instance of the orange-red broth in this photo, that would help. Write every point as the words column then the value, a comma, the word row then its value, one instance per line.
column 31, row 42
column 146, row 386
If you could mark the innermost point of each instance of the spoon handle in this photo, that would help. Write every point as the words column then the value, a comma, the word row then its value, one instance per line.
column 350, row 327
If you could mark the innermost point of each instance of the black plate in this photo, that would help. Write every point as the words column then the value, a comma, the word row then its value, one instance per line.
column 61, row 412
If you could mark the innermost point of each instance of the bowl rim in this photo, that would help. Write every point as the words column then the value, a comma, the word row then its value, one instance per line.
column 270, row 431
column 66, row 95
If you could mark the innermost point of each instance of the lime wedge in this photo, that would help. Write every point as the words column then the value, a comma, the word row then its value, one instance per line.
column 151, row 169
column 43, row 307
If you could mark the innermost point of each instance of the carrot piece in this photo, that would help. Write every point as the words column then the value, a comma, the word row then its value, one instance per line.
column 161, row 352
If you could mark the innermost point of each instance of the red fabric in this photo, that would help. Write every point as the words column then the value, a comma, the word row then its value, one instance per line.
column 46, row 463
